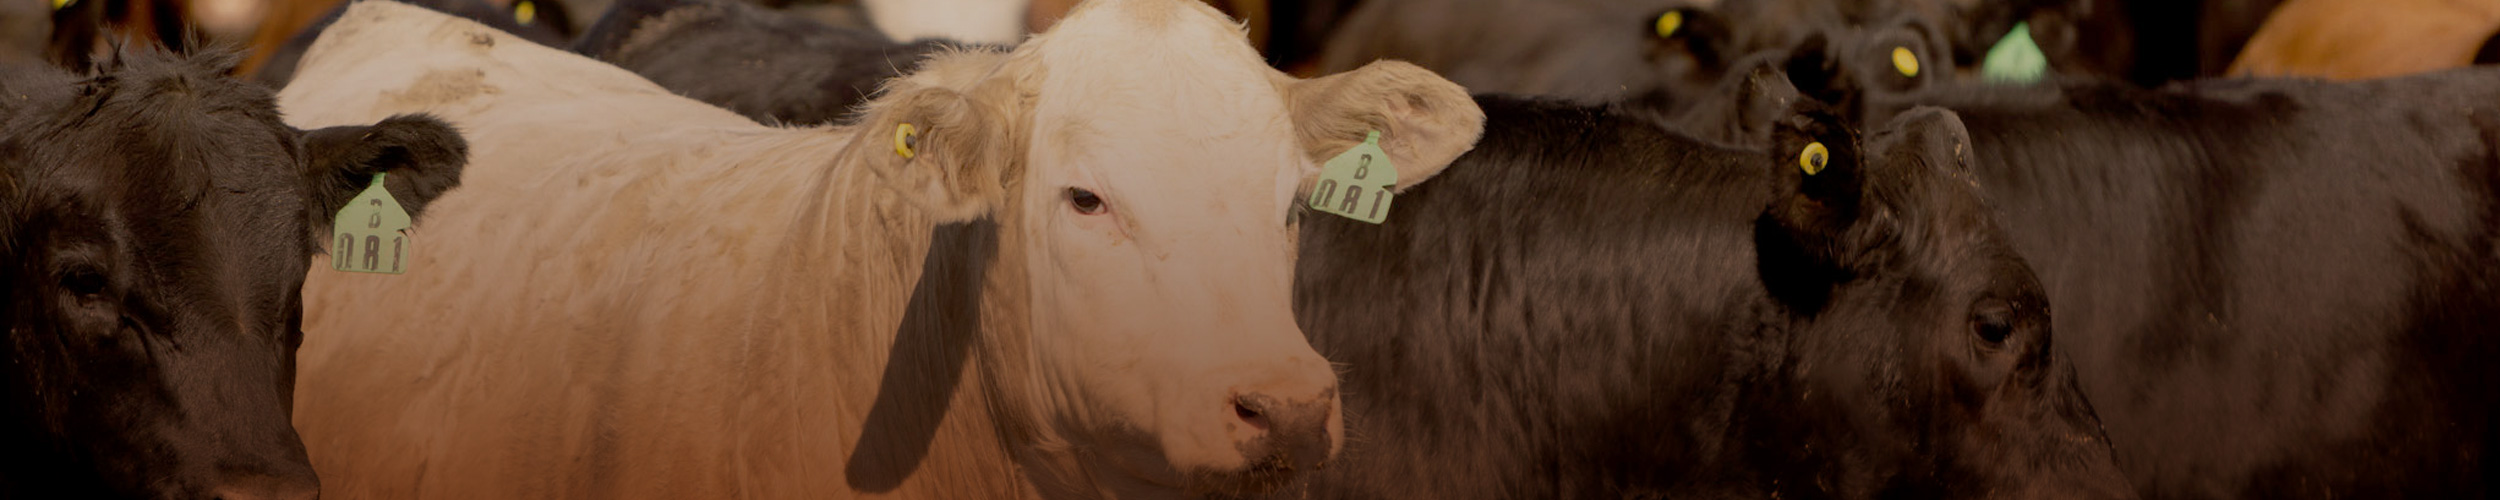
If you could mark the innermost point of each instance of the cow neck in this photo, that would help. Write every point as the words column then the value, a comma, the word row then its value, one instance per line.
column 861, row 361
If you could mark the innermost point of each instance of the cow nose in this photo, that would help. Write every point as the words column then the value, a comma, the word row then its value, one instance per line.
column 1287, row 435
column 267, row 487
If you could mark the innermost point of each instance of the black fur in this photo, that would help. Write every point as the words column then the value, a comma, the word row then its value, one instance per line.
column 156, row 225
column 2271, row 288
column 1588, row 306
column 771, row 66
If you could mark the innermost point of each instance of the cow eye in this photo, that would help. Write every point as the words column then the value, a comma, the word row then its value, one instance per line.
column 1992, row 320
column 1086, row 202
column 86, row 282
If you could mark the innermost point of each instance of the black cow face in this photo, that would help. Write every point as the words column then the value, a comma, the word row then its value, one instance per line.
column 1920, row 364
column 159, row 222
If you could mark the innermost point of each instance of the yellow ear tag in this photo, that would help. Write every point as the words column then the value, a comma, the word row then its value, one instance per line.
column 526, row 12
column 906, row 141
column 370, row 234
column 1357, row 183
column 1814, row 158
column 1905, row 61
column 62, row 4
column 1669, row 22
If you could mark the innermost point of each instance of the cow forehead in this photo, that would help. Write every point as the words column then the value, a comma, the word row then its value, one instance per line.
column 1168, row 86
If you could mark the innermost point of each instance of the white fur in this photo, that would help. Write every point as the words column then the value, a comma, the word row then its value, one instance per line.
column 980, row 21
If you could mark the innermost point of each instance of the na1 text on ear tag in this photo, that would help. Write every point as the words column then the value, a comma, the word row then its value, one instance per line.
column 370, row 235
column 1356, row 184
column 2015, row 58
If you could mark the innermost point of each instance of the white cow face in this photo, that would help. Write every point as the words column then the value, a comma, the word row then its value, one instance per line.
column 1148, row 163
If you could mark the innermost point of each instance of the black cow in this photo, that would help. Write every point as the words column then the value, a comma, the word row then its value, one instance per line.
column 2272, row 288
column 772, row 66
column 545, row 22
column 1587, row 306
column 156, row 222
column 1595, row 50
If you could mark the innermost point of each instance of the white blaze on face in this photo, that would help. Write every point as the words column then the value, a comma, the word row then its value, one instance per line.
column 1176, row 292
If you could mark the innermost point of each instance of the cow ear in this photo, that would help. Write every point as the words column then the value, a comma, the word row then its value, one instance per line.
column 1817, row 231
column 1424, row 121
column 936, row 147
column 423, row 155
column 1816, row 74
column 1756, row 95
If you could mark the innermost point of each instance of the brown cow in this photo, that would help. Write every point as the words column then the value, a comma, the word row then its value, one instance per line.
column 2356, row 39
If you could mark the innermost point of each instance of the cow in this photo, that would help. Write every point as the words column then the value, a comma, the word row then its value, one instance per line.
column 156, row 218
column 283, row 44
column 2348, row 39
column 2272, row 288
column 1589, row 305
column 1599, row 51
column 795, row 70
column 1397, row 332
column 1054, row 271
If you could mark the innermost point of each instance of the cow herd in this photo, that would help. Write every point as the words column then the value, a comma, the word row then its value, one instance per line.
column 1604, row 249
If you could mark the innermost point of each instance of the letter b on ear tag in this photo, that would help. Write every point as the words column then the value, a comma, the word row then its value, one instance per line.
column 370, row 235
column 1356, row 184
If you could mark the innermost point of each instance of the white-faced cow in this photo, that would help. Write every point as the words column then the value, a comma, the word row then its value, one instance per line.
column 1060, row 271
column 156, row 220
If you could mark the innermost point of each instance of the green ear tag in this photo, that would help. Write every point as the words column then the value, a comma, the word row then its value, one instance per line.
column 1356, row 184
column 370, row 235
column 2015, row 59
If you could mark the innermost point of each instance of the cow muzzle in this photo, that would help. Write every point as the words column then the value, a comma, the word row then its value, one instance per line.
column 1281, row 440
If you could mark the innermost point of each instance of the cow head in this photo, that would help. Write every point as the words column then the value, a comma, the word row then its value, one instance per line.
column 1144, row 165
column 158, row 222
column 1920, row 359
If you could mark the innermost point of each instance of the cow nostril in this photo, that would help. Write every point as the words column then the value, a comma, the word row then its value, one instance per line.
column 1248, row 414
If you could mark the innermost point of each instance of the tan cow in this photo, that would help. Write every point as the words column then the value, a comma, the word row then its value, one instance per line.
column 1067, row 278
column 2357, row 39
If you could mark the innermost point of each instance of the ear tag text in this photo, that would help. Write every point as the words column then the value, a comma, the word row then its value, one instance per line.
column 1356, row 184
column 2015, row 58
column 370, row 235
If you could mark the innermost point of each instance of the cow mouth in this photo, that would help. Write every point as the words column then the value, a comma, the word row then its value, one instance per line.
column 1263, row 477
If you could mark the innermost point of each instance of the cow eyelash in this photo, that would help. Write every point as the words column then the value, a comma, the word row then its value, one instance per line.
column 86, row 282
column 1086, row 202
